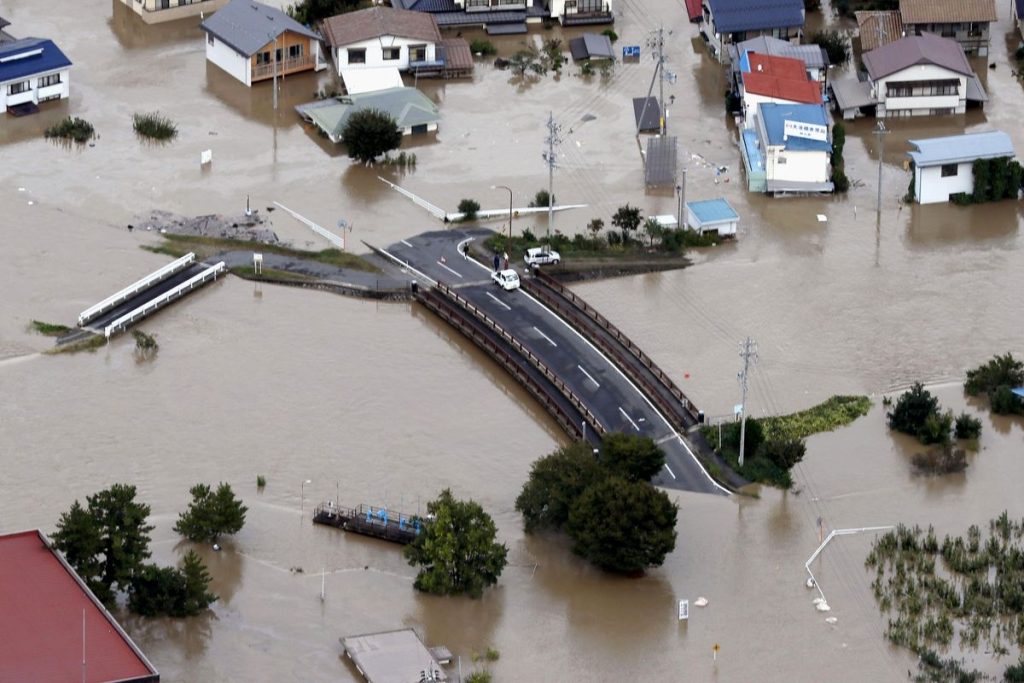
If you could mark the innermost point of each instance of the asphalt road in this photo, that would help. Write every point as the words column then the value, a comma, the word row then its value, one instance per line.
column 618, row 404
column 145, row 295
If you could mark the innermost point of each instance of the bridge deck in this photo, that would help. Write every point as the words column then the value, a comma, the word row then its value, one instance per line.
column 618, row 403
column 97, row 324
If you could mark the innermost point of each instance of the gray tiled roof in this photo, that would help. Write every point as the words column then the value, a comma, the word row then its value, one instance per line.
column 811, row 55
column 926, row 48
column 247, row 26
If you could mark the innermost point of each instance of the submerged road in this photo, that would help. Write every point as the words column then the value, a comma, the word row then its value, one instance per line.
column 616, row 401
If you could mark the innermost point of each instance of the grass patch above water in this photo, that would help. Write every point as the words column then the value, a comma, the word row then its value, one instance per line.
column 836, row 412
column 206, row 247
column 88, row 344
column 49, row 329
column 154, row 126
column 247, row 273
column 76, row 129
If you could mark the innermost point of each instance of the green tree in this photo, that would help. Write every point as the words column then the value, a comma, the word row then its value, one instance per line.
column 623, row 526
column 834, row 44
column 1000, row 370
column 171, row 591
column 456, row 550
column 936, row 428
column 784, row 452
column 555, row 481
column 967, row 426
column 912, row 409
column 1005, row 402
column 211, row 513
column 653, row 229
column 115, row 543
column 630, row 456
column 310, row 12
column 468, row 208
column 369, row 133
column 542, row 198
column 595, row 226
column 627, row 219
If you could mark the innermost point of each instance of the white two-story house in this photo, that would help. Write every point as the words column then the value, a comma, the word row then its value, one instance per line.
column 32, row 70
column 795, row 146
column 381, row 37
column 920, row 76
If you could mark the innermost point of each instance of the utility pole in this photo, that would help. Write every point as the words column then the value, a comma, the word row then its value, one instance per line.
column 656, row 44
column 661, row 80
column 748, row 352
column 880, row 131
column 681, row 189
column 275, row 73
column 553, row 140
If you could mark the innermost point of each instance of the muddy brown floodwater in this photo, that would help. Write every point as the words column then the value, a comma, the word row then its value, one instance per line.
column 384, row 404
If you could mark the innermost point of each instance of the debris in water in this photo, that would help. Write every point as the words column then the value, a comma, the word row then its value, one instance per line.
column 822, row 218
column 588, row 117
column 831, row 620
column 810, row 583
column 701, row 602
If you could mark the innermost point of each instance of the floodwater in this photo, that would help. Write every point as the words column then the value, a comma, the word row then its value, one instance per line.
column 383, row 404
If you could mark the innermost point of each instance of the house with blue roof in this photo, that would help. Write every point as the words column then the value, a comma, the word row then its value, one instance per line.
column 32, row 71
column 794, row 146
column 727, row 22
column 712, row 215
column 945, row 166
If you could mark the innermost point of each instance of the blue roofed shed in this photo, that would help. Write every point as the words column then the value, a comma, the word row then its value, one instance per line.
column 32, row 70
column 712, row 215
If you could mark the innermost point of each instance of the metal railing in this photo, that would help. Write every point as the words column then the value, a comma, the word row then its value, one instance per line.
column 462, row 321
column 638, row 353
column 536, row 362
column 136, row 287
column 283, row 66
column 170, row 295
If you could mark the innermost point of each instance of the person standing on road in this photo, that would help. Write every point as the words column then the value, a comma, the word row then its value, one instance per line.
column 505, row 255
column 497, row 262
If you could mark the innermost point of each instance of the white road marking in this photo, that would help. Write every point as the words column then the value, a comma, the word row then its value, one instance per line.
column 628, row 418
column 406, row 243
column 499, row 301
column 589, row 376
column 453, row 272
column 550, row 340
column 593, row 348
column 670, row 471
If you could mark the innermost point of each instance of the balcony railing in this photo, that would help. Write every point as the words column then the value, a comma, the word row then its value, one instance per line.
column 284, row 66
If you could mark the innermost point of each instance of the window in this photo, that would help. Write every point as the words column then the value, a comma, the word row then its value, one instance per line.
column 16, row 88
column 52, row 79
column 209, row 38
column 294, row 51
column 357, row 56
column 417, row 53
column 949, row 170
column 781, row 160
column 948, row 86
column 392, row 53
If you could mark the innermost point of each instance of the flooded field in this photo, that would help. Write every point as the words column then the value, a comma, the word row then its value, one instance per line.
column 384, row 404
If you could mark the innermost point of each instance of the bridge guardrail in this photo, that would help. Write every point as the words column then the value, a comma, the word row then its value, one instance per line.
column 672, row 409
column 458, row 318
column 637, row 352
column 136, row 287
column 170, row 295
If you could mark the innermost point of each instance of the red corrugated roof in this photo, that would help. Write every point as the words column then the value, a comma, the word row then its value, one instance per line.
column 693, row 8
column 781, row 78
column 41, row 606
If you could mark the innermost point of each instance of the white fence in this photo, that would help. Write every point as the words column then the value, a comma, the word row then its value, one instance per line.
column 323, row 232
column 133, row 289
column 170, row 295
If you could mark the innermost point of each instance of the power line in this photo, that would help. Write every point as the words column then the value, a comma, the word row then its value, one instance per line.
column 748, row 352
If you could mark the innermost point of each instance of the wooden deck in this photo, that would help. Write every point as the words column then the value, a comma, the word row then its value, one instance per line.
column 454, row 61
column 389, row 525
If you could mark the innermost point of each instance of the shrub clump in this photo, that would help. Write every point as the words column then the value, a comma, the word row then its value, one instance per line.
column 967, row 427
column 71, row 128
column 469, row 208
column 154, row 126
column 479, row 46
column 996, row 379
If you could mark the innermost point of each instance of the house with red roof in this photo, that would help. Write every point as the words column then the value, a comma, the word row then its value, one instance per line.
column 52, row 627
column 771, row 79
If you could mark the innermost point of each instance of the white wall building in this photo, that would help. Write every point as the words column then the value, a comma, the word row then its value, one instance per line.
column 794, row 141
column 944, row 166
column 381, row 37
column 921, row 76
column 158, row 11
column 32, row 70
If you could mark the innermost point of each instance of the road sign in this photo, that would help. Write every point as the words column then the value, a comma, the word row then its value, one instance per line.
column 737, row 409
column 630, row 51
column 684, row 610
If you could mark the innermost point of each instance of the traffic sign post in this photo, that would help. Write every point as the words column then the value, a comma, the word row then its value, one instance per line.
column 684, row 610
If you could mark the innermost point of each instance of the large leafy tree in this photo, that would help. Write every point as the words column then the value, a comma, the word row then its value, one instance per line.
column 368, row 133
column 456, row 550
column 107, row 541
column 912, row 410
column 211, row 513
column 309, row 12
column 171, row 591
column 627, row 219
column 632, row 457
column 556, row 480
column 996, row 379
column 623, row 526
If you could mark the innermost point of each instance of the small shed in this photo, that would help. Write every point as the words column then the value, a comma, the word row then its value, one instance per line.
column 712, row 215
column 647, row 113
column 945, row 166
column 591, row 46
column 393, row 657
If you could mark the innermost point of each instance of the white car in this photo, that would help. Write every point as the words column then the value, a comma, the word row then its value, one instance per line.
column 538, row 256
column 506, row 279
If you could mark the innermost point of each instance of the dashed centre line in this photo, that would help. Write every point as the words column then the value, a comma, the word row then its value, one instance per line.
column 589, row 376
column 499, row 301
column 453, row 272
column 550, row 340
column 670, row 471
column 629, row 418
column 407, row 243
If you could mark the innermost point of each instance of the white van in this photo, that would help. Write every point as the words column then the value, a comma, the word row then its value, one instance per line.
column 506, row 279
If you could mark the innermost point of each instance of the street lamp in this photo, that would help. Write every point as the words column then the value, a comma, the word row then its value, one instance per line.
column 504, row 187
column 302, row 495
